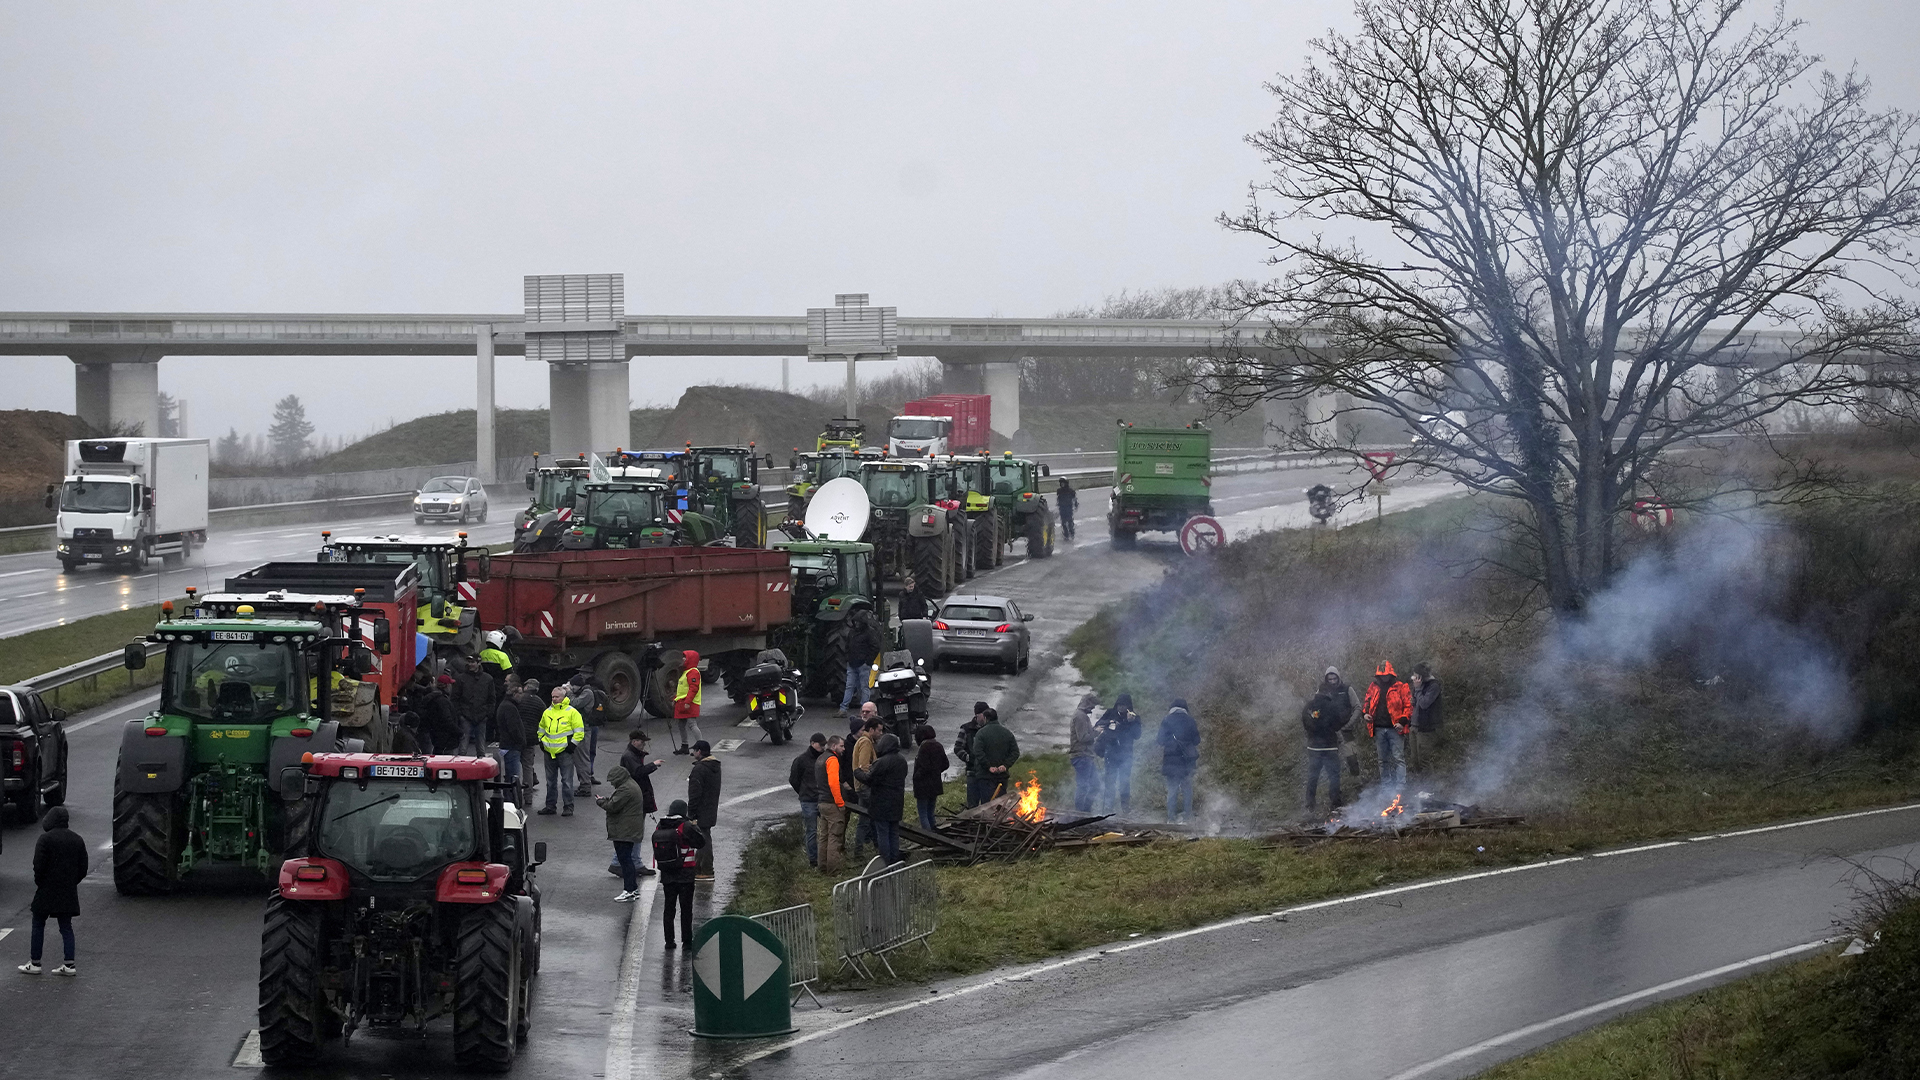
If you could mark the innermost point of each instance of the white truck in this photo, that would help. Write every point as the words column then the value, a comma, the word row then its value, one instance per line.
column 126, row 500
column 919, row 436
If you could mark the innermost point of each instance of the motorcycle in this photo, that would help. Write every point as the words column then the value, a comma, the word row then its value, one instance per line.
column 899, row 680
column 773, row 695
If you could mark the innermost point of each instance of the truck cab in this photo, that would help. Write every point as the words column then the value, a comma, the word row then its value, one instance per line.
column 125, row 500
column 918, row 436
column 446, row 585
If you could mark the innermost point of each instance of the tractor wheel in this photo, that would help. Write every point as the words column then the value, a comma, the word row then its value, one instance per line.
column 961, row 529
column 146, row 843
column 621, row 676
column 750, row 523
column 658, row 685
column 294, row 1016
column 1124, row 540
column 1039, row 536
column 486, row 990
column 828, row 677
column 986, row 541
column 933, row 564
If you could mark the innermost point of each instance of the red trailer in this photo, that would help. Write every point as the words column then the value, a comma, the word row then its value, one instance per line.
column 972, row 432
column 627, row 614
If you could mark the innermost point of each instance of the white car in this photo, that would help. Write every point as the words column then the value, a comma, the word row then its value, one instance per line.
column 446, row 498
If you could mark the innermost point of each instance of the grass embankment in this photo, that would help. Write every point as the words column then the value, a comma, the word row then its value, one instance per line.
column 41, row 651
column 1674, row 743
column 1848, row 1018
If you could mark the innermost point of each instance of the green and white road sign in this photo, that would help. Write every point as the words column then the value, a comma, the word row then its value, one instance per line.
column 739, row 981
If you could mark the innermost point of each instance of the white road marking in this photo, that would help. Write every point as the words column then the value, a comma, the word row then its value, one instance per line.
column 38, row 570
column 1531, row 1030
column 30, row 595
column 1026, row 974
column 249, row 1055
column 752, row 795
column 4, row 931
column 626, row 1002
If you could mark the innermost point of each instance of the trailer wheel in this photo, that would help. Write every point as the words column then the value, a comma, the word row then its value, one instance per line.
column 146, row 843
column 294, row 1016
column 657, row 686
column 750, row 523
column 621, row 676
column 486, row 995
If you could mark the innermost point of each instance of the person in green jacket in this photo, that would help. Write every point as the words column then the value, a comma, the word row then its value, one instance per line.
column 626, row 811
column 561, row 729
column 994, row 751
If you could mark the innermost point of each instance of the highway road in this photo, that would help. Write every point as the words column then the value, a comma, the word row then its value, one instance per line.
column 175, row 977
column 34, row 594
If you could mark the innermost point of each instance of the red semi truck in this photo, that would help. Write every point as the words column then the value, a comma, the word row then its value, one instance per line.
column 626, row 614
column 919, row 431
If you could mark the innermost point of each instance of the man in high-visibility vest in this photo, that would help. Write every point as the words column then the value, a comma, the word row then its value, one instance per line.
column 686, row 703
column 561, row 729
column 495, row 662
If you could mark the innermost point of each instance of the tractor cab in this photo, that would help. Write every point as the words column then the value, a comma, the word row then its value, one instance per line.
column 830, row 578
column 623, row 514
column 554, row 486
column 842, row 432
column 895, row 487
column 669, row 467
column 724, row 484
column 448, row 582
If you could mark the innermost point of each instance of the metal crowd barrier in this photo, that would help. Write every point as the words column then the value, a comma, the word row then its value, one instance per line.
column 884, row 909
column 794, row 927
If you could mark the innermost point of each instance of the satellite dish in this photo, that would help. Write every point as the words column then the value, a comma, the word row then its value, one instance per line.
column 839, row 510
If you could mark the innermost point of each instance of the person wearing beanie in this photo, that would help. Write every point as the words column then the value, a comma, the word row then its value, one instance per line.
column 800, row 779
column 59, row 864
column 1179, row 758
column 677, row 843
column 963, row 744
column 1086, row 767
column 1114, row 736
column 439, row 722
column 929, row 765
column 703, row 802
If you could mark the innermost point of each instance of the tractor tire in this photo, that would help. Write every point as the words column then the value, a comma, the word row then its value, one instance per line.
column 487, row 985
column 1039, row 535
column 933, row 564
column 146, row 843
column 658, row 685
column 750, row 524
column 1124, row 540
column 827, row 679
column 294, row 1016
column 986, row 541
column 621, row 676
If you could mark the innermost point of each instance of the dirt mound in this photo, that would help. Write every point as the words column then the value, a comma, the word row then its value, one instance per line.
column 736, row 415
column 33, row 454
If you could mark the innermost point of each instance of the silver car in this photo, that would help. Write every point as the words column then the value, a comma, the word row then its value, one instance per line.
column 447, row 498
column 990, row 628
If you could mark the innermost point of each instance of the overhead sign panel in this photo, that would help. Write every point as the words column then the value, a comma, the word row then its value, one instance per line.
column 576, row 318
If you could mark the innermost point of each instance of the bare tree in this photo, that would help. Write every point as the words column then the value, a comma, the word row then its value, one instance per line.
column 1605, row 228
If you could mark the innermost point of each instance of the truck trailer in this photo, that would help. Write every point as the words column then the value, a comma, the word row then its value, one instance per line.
column 126, row 500
column 1161, row 477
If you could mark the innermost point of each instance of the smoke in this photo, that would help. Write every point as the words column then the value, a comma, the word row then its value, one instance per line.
column 1711, row 603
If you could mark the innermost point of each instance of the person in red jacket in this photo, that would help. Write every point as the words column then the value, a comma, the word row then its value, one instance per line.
column 1388, row 709
column 686, row 703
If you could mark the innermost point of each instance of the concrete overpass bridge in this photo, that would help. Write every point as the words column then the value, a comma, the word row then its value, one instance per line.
column 116, row 355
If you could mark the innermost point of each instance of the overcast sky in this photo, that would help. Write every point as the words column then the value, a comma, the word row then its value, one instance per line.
column 968, row 160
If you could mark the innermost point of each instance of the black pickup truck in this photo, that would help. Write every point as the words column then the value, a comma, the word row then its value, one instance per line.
column 33, row 752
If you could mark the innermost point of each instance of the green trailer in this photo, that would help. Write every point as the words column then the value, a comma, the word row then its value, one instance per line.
column 1161, row 478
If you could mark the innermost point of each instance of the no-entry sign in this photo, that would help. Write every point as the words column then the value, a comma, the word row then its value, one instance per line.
column 1201, row 534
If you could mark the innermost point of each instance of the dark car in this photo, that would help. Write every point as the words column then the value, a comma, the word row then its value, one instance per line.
column 33, row 752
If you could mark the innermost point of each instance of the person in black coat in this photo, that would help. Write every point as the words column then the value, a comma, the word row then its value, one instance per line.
column 1323, row 717
column 674, row 840
column 439, row 722
column 703, row 801
column 929, row 764
column 1066, row 502
column 800, row 778
column 531, row 706
column 508, row 731
column 913, row 603
column 886, row 781
column 59, row 864
column 634, row 760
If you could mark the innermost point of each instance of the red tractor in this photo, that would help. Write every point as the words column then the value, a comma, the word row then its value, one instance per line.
column 412, row 897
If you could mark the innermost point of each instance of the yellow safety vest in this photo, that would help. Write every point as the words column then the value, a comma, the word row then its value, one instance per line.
column 497, row 659
column 561, row 727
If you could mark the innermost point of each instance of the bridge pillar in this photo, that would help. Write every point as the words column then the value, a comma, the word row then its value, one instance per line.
column 1001, row 383
column 483, row 451
column 588, row 410
column 118, row 394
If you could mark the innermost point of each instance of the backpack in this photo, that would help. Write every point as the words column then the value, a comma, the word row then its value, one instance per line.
column 669, row 852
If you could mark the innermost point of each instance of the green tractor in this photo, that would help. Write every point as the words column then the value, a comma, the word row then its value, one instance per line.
column 917, row 524
column 623, row 514
column 843, row 433
column 554, row 487
column 448, row 582
column 812, row 470
column 1023, row 511
column 830, row 578
column 992, row 517
column 724, row 484
column 195, row 781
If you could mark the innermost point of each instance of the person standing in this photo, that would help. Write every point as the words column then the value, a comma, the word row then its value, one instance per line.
column 829, row 781
column 474, row 695
column 1066, row 502
column 495, row 661
column 626, row 809
column 531, row 706
column 439, row 719
column 1179, row 740
column 801, row 779
column 929, row 766
column 860, row 758
column 963, row 748
column 1346, row 707
column 703, row 801
column 886, row 781
column 634, row 760
column 510, row 734
column 59, row 865
column 1426, row 710
column 1114, row 739
column 864, row 642
column 561, row 730
column 590, row 701
column 913, row 603
column 1321, row 718
column 677, row 843
column 1086, row 767
column 686, row 704
column 994, row 752
column 1389, row 711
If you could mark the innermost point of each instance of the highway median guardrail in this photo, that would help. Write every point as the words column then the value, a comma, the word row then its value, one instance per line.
column 883, row 909
column 89, row 672
column 796, row 929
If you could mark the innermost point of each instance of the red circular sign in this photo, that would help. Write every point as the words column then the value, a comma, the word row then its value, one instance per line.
column 1201, row 534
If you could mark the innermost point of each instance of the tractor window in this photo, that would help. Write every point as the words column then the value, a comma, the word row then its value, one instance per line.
column 233, row 682
column 853, row 575
column 621, row 510
column 95, row 497
column 433, row 582
column 1007, row 477
column 397, row 830
column 557, row 489
column 721, row 466
column 892, row 489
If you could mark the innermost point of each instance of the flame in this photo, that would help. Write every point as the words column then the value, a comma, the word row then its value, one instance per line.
column 1030, row 808
column 1394, row 809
